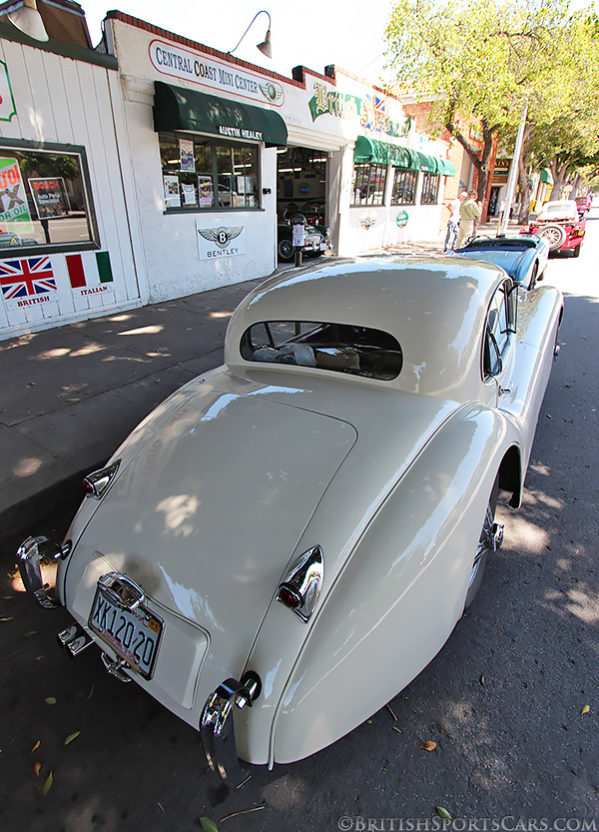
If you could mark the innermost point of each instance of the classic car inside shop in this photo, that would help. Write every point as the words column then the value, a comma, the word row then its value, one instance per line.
column 213, row 157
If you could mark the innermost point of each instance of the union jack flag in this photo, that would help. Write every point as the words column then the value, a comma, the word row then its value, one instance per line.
column 26, row 278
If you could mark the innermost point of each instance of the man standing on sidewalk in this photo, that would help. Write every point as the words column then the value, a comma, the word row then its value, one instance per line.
column 454, row 221
column 470, row 211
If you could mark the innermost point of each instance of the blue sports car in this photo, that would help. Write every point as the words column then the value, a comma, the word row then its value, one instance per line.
column 523, row 256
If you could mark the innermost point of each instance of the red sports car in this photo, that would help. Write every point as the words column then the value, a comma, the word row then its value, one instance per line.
column 559, row 223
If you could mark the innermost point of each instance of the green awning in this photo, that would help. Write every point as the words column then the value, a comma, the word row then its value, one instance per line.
column 447, row 168
column 546, row 176
column 427, row 163
column 384, row 153
column 176, row 108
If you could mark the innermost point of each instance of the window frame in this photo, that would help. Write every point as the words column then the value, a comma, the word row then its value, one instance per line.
column 212, row 142
column 338, row 356
column 403, row 172
column 491, row 344
column 94, row 244
column 370, row 192
column 425, row 192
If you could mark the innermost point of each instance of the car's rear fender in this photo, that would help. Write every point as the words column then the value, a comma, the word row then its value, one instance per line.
column 393, row 604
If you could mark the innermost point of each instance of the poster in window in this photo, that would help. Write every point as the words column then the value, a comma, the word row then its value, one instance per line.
column 187, row 160
column 49, row 197
column 189, row 194
column 172, row 197
column 14, row 210
column 205, row 191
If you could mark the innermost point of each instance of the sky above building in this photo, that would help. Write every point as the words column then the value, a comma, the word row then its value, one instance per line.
column 348, row 33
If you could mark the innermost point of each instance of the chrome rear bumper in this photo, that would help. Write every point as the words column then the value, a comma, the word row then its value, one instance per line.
column 217, row 727
column 32, row 552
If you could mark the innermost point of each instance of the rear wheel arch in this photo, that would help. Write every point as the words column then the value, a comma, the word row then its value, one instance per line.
column 510, row 475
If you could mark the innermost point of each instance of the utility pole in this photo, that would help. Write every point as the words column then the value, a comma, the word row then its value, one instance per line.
column 511, row 183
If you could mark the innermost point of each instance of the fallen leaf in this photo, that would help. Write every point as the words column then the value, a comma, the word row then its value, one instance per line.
column 31, row 384
column 36, row 746
column 36, row 768
column 73, row 400
column 71, row 737
column 90, row 694
column 48, row 784
column 369, row 722
column 160, row 806
column 585, row 710
column 50, row 700
column 208, row 825
column 443, row 813
column 6, row 618
column 395, row 728
column 392, row 712
column 30, row 634
column 429, row 745
column 482, row 680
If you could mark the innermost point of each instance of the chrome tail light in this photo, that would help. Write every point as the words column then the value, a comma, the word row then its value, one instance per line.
column 96, row 483
column 301, row 585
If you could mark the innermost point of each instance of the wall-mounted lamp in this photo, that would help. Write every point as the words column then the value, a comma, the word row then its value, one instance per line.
column 265, row 46
column 28, row 20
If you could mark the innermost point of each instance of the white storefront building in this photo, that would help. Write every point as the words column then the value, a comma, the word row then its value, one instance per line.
column 165, row 168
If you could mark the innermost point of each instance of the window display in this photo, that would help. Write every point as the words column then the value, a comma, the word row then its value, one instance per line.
column 204, row 173
column 44, row 198
column 369, row 184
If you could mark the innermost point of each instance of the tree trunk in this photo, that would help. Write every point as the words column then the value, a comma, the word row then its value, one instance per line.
column 481, row 164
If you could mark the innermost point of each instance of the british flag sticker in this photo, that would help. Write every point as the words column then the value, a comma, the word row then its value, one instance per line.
column 27, row 282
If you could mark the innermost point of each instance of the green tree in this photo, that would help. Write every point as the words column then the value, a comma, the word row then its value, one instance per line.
column 485, row 62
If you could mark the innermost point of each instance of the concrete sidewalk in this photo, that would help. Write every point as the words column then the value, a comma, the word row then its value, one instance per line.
column 71, row 394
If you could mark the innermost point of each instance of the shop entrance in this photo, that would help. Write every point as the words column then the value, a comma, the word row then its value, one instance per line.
column 302, row 188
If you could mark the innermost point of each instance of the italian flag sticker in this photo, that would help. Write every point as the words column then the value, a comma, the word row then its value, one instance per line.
column 90, row 273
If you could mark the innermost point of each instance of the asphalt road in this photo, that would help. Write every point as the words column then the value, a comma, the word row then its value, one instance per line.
column 503, row 701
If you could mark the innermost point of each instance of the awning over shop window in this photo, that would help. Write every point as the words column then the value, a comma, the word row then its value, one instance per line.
column 176, row 108
column 447, row 168
column 546, row 176
column 384, row 153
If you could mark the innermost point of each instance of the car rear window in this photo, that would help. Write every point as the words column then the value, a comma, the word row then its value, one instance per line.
column 341, row 348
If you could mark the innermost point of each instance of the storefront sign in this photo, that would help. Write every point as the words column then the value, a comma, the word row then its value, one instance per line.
column 216, row 243
column 50, row 197
column 7, row 103
column 196, row 67
column 172, row 197
column 370, row 111
column 14, row 211
column 240, row 133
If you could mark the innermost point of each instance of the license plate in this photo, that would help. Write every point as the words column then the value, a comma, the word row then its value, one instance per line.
column 133, row 634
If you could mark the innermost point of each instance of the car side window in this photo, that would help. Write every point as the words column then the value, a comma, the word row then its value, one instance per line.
column 499, row 326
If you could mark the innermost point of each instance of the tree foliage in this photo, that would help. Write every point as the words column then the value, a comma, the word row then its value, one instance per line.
column 486, row 61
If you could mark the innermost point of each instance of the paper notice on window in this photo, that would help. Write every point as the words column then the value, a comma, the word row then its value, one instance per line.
column 172, row 197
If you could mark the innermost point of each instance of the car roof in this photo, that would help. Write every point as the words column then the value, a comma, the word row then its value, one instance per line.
column 434, row 306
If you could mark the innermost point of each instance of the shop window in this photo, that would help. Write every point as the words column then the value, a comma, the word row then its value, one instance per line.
column 369, row 184
column 45, row 200
column 430, row 189
column 404, row 187
column 204, row 173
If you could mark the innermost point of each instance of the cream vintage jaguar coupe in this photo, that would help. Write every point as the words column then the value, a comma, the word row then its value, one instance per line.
column 268, row 538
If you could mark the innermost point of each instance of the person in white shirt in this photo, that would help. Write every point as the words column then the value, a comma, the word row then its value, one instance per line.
column 453, row 221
